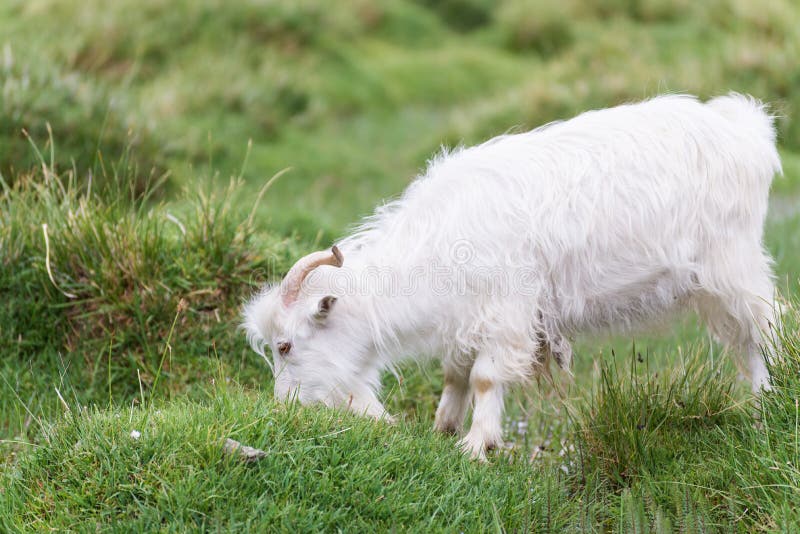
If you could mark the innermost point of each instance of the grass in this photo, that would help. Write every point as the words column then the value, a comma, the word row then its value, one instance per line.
column 662, row 453
column 322, row 471
column 93, row 280
column 135, row 142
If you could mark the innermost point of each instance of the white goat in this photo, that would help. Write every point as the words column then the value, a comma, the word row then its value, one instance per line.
column 499, row 253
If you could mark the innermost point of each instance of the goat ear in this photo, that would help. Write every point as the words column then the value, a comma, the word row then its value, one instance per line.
column 324, row 307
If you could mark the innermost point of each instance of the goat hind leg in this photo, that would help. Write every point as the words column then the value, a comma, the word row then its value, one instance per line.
column 455, row 398
column 741, row 316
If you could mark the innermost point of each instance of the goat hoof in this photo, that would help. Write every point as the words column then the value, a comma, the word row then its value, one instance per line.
column 475, row 450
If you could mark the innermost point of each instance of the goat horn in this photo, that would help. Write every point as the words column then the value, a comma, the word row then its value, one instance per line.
column 290, row 287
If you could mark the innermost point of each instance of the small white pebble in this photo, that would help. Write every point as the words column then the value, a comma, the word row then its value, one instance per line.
column 135, row 434
column 248, row 454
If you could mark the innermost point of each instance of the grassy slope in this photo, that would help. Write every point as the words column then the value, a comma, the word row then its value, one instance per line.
column 675, row 452
column 322, row 470
column 354, row 100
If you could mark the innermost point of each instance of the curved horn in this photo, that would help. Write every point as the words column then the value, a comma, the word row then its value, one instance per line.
column 290, row 286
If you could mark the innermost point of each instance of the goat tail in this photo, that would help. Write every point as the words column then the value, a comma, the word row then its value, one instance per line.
column 753, row 116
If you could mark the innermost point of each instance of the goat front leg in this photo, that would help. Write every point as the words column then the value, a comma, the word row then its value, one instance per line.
column 487, row 388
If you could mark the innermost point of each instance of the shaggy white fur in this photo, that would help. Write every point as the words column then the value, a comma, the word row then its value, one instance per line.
column 499, row 253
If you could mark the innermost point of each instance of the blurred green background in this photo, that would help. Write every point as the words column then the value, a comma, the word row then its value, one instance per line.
column 355, row 96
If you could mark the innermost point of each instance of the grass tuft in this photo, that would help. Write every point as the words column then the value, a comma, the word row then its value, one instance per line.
column 92, row 279
column 638, row 423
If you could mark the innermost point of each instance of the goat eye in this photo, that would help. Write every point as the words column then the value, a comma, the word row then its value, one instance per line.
column 284, row 347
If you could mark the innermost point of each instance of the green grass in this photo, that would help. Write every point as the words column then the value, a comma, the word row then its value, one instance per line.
column 678, row 451
column 323, row 470
column 142, row 133
column 95, row 281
